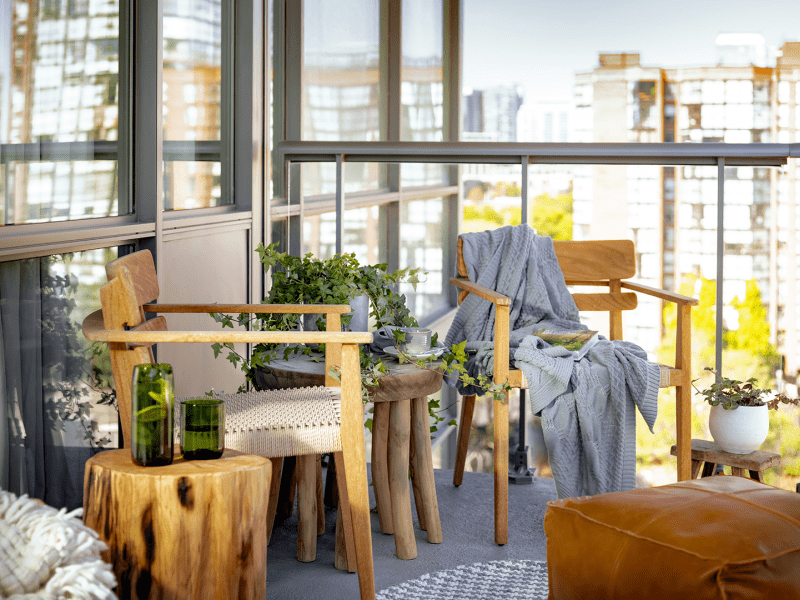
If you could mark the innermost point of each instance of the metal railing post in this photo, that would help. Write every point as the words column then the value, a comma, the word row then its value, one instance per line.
column 720, row 259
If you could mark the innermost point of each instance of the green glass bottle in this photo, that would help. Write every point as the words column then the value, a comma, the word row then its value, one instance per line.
column 152, row 397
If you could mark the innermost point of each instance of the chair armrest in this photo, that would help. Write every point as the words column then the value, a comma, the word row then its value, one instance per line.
column 94, row 330
column 481, row 291
column 249, row 308
column 663, row 294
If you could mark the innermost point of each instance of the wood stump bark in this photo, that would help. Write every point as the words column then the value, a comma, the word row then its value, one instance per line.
column 193, row 529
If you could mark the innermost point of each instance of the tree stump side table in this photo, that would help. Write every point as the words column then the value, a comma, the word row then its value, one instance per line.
column 192, row 529
column 705, row 451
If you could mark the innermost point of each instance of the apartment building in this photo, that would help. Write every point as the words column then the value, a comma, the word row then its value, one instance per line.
column 671, row 212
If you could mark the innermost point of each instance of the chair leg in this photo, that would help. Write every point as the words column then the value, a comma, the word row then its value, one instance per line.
column 683, row 398
column 320, row 498
column 345, row 540
column 464, row 429
column 355, row 469
column 500, row 456
column 274, row 491
column 306, row 508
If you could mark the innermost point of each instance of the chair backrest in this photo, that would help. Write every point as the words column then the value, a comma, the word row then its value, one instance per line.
column 592, row 263
column 131, row 283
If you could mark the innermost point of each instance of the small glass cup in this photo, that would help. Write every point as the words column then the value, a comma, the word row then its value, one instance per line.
column 202, row 428
column 418, row 340
column 152, row 397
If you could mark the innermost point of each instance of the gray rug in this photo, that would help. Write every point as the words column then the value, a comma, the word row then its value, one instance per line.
column 507, row 579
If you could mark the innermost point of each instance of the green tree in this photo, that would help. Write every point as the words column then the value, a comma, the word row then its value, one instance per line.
column 553, row 216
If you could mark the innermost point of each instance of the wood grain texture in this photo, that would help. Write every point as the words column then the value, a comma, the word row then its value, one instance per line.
column 380, row 465
column 300, row 309
column 399, row 431
column 596, row 259
column 422, row 471
column 274, row 490
column 356, row 468
column 191, row 530
column 708, row 451
column 500, row 414
column 605, row 301
column 142, row 270
column 464, row 430
column 481, row 291
column 306, row 508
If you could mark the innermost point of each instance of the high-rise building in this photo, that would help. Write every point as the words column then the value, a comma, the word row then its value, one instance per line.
column 671, row 212
column 493, row 112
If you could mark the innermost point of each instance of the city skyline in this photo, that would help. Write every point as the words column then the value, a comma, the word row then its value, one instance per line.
column 557, row 40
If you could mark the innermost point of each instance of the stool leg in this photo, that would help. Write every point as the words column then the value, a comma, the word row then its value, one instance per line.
column 738, row 471
column 306, row 508
column 380, row 474
column 708, row 469
column 757, row 475
column 464, row 429
column 399, row 433
column 422, row 470
column 274, row 490
column 696, row 464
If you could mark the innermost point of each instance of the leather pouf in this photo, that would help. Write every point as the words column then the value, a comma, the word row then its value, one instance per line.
column 717, row 537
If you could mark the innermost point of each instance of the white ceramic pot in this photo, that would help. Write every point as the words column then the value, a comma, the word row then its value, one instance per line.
column 739, row 431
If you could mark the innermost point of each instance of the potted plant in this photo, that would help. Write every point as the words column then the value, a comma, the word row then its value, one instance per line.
column 739, row 421
column 309, row 280
column 338, row 280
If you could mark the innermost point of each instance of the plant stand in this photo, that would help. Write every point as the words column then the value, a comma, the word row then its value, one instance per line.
column 704, row 451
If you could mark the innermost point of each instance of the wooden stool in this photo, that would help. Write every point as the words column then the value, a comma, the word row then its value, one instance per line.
column 704, row 451
column 400, row 440
column 192, row 529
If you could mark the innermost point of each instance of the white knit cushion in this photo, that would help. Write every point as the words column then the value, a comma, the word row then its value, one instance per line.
column 48, row 553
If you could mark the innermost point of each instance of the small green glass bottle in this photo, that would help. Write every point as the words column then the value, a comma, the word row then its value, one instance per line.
column 152, row 397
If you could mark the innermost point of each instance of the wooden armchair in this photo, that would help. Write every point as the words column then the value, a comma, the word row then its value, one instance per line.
column 605, row 263
column 130, row 293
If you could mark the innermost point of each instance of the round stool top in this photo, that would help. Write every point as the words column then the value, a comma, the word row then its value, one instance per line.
column 231, row 460
column 404, row 381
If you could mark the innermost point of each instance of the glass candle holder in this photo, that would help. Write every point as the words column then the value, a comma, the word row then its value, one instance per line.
column 152, row 397
column 202, row 428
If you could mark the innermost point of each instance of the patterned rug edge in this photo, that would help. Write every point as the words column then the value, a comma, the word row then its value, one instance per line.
column 507, row 579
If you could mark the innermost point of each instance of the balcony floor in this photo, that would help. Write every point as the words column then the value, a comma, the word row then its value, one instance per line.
column 466, row 513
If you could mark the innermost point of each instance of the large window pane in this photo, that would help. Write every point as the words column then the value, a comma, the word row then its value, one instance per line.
column 422, row 87
column 340, row 86
column 193, row 104
column 422, row 245
column 360, row 234
column 59, row 72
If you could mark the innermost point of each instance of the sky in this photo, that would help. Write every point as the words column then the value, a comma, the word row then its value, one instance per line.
column 542, row 44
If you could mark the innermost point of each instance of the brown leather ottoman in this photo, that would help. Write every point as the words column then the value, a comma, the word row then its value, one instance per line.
column 719, row 537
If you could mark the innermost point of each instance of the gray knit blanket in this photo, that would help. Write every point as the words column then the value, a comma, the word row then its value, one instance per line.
column 587, row 406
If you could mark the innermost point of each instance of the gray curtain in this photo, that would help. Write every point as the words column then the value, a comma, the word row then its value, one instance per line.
column 43, row 398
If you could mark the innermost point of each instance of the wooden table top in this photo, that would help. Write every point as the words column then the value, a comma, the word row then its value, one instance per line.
column 231, row 460
column 404, row 381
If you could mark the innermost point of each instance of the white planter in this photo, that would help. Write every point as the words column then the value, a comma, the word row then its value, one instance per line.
column 739, row 431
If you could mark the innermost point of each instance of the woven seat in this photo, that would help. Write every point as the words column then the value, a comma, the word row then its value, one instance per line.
column 284, row 422
column 302, row 422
